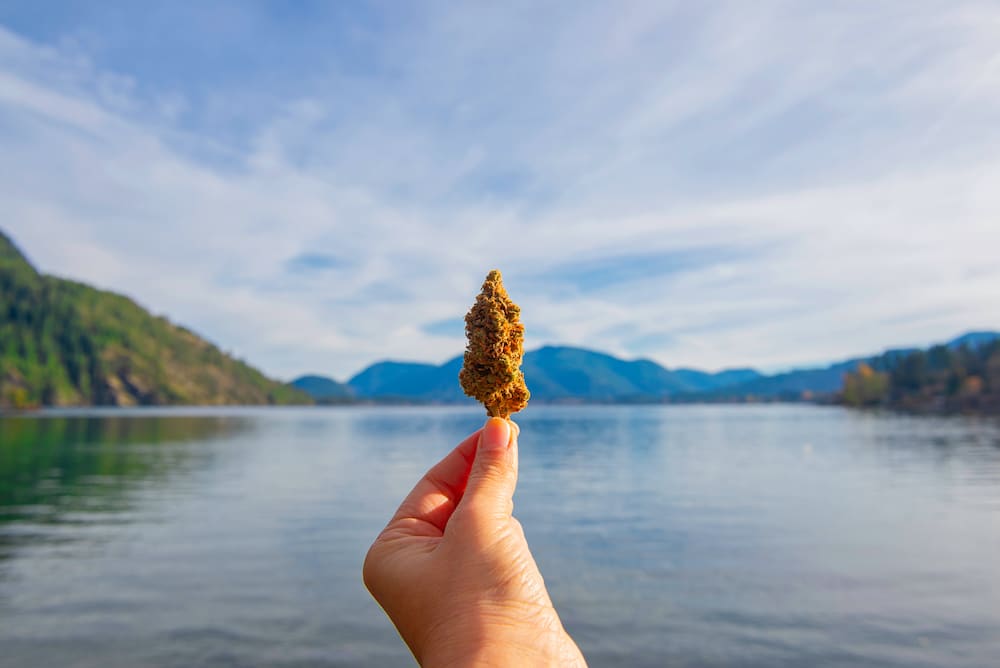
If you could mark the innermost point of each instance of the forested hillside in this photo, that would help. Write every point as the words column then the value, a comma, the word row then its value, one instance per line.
column 64, row 343
column 962, row 376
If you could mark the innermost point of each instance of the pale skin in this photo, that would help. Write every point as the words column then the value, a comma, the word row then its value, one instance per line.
column 453, row 570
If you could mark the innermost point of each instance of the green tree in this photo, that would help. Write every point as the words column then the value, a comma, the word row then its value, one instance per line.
column 64, row 343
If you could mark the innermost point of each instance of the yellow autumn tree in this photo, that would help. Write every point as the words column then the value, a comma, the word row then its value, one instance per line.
column 865, row 387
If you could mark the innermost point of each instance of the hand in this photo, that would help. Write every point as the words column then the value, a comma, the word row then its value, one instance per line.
column 453, row 570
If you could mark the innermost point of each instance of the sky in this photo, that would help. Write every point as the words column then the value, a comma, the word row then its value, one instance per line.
column 317, row 186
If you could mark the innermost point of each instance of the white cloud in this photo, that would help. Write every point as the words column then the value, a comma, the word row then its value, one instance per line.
column 849, row 155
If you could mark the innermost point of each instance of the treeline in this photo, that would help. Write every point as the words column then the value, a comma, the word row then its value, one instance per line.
column 963, row 378
column 65, row 343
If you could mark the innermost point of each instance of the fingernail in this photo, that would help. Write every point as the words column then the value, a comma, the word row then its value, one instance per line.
column 496, row 434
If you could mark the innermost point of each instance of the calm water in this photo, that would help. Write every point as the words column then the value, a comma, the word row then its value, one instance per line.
column 683, row 536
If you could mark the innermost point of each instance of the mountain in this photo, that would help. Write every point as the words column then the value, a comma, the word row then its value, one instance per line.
column 973, row 340
column 410, row 381
column 567, row 374
column 65, row 343
column 700, row 381
column 561, row 373
column 553, row 373
column 322, row 388
column 790, row 384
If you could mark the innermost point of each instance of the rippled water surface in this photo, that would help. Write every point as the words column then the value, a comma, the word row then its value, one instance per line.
column 682, row 536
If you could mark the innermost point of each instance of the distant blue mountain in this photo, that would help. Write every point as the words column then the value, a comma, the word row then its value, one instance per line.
column 410, row 381
column 700, row 381
column 560, row 372
column 553, row 373
column 322, row 388
column 973, row 339
column 565, row 374
column 825, row 380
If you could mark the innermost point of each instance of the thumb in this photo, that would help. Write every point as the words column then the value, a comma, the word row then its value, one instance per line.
column 493, row 476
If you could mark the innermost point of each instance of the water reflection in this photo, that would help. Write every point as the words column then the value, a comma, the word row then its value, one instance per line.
column 694, row 535
column 77, row 470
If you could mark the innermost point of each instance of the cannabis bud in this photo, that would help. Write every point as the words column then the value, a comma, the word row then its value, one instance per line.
column 491, row 371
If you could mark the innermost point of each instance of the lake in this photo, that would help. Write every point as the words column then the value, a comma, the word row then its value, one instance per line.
column 777, row 535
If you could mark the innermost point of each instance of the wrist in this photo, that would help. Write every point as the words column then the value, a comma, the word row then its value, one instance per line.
column 525, row 637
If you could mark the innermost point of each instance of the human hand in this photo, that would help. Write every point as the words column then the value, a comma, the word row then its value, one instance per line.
column 453, row 570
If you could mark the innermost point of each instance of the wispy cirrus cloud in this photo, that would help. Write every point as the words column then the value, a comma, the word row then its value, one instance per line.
column 706, row 185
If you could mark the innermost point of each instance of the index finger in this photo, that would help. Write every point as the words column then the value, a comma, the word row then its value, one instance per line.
column 434, row 497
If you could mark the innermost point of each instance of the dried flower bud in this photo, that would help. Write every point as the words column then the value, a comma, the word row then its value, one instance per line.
column 491, row 372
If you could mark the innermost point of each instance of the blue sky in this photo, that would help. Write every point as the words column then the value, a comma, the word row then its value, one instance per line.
column 315, row 186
